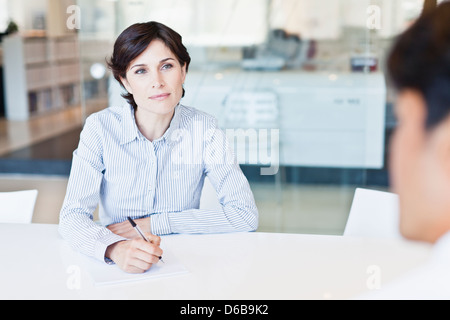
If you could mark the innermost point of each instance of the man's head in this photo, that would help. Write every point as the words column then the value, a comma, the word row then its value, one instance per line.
column 419, row 66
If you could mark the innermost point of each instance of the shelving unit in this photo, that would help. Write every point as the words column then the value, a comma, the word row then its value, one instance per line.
column 41, row 75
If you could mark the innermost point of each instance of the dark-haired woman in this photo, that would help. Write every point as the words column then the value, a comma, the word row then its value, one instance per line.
column 148, row 161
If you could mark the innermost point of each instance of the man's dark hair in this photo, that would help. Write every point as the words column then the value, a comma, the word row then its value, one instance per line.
column 420, row 60
column 133, row 41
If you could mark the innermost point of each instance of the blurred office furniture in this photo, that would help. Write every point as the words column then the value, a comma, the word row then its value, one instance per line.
column 373, row 214
column 18, row 206
column 2, row 94
column 40, row 74
column 96, row 75
column 282, row 50
column 250, row 109
column 334, row 120
column 251, row 122
column 62, row 18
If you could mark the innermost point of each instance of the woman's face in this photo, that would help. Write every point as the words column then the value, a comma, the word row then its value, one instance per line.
column 420, row 170
column 155, row 79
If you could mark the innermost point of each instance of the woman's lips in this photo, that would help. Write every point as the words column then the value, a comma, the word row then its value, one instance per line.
column 160, row 97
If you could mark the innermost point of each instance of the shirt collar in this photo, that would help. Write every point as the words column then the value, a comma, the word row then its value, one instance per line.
column 168, row 136
column 129, row 127
column 130, row 131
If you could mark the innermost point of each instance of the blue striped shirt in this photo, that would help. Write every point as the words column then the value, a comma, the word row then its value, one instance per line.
column 116, row 167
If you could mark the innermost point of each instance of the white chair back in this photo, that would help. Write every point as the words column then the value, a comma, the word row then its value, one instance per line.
column 373, row 214
column 17, row 207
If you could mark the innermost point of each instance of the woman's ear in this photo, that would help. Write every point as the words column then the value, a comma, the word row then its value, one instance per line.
column 183, row 72
column 126, row 84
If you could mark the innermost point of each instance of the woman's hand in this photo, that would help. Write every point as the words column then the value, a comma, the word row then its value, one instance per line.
column 124, row 229
column 137, row 255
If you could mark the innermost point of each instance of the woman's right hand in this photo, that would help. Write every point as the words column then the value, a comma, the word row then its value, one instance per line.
column 137, row 255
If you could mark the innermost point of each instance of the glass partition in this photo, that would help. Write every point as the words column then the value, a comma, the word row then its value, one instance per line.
column 299, row 90
column 96, row 36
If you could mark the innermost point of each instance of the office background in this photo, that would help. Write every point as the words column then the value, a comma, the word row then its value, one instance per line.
column 284, row 71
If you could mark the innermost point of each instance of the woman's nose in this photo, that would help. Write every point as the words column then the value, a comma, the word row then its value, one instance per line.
column 157, row 82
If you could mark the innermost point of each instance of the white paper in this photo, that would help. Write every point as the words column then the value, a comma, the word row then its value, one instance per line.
column 104, row 274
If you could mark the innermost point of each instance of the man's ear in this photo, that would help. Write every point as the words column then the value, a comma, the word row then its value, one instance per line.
column 414, row 107
column 441, row 137
column 126, row 84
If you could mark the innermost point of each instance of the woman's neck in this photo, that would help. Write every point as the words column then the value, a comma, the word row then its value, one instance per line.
column 152, row 125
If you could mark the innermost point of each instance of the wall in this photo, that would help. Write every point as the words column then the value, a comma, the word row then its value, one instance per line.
column 24, row 12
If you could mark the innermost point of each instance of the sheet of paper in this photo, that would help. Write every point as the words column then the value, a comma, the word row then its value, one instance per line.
column 104, row 274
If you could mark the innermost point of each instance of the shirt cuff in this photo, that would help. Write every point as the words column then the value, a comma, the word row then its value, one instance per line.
column 103, row 243
column 160, row 224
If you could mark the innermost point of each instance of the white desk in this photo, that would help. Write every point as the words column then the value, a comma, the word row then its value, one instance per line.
column 35, row 264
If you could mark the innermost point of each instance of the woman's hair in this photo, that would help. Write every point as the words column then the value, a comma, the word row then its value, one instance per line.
column 420, row 60
column 133, row 41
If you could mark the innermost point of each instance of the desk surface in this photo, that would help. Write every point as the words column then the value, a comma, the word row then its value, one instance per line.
column 36, row 264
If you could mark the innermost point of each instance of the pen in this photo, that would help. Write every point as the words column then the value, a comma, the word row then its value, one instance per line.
column 138, row 230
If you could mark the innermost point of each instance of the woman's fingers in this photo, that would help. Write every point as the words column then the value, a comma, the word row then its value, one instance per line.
column 135, row 256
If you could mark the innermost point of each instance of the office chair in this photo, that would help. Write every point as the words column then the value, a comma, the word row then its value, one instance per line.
column 17, row 207
column 373, row 214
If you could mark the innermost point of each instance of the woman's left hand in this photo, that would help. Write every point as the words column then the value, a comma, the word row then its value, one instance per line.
column 124, row 229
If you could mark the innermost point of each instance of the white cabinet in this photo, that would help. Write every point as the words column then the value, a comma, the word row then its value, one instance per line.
column 40, row 75
column 324, row 119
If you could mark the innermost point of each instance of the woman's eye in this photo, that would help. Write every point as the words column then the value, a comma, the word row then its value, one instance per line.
column 140, row 71
column 167, row 66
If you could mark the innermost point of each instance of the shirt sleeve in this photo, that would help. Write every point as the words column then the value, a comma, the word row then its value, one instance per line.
column 239, row 212
column 76, row 223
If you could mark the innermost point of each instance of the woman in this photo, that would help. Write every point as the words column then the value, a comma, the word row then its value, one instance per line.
column 149, row 160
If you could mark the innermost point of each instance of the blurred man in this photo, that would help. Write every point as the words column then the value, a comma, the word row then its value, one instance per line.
column 419, row 66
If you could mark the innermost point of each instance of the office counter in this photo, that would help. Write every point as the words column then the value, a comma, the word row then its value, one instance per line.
column 325, row 119
column 37, row 264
